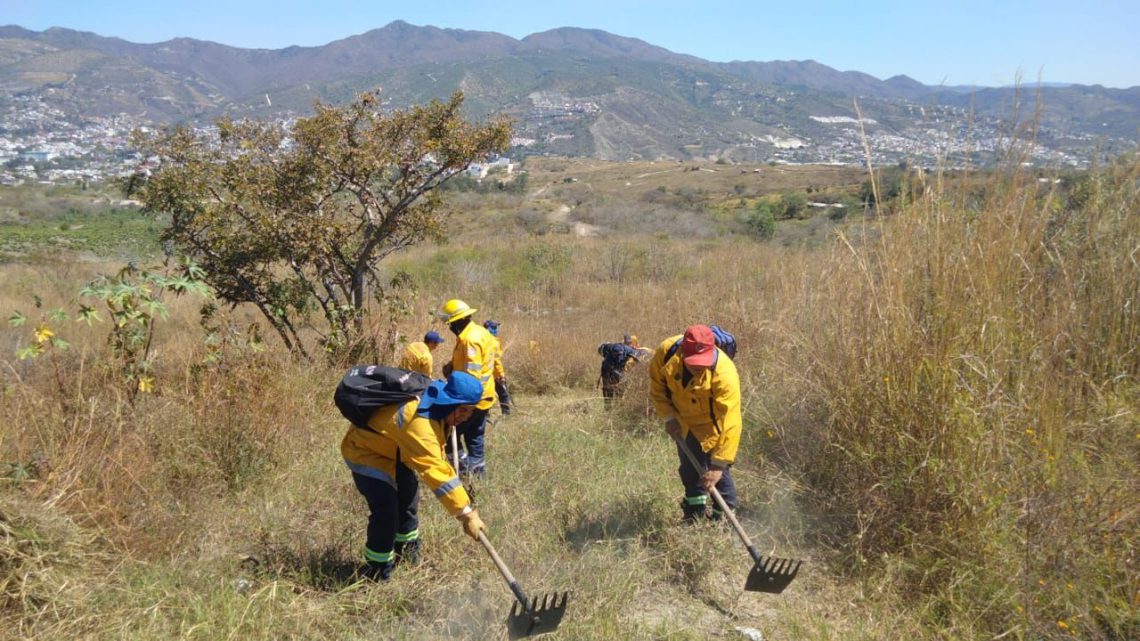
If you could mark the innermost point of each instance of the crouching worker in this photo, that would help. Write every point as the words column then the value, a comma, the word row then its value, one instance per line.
column 695, row 389
column 403, row 441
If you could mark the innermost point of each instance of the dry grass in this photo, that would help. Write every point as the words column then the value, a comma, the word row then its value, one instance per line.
column 940, row 414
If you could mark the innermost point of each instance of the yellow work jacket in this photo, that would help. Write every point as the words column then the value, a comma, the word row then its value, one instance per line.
column 419, row 441
column 498, row 371
column 708, row 407
column 417, row 358
column 475, row 354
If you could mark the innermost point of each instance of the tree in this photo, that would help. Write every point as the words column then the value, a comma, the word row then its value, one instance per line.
column 296, row 219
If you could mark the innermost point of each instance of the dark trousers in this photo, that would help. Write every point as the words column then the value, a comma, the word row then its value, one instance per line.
column 611, row 385
column 393, row 519
column 696, row 499
column 471, row 433
column 504, row 396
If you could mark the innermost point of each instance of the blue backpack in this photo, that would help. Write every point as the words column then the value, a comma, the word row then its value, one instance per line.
column 724, row 340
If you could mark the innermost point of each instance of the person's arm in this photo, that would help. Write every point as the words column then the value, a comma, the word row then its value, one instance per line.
column 658, row 392
column 421, row 451
column 499, row 373
column 726, row 411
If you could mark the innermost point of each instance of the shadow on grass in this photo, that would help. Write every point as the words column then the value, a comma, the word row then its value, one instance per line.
column 322, row 568
column 627, row 518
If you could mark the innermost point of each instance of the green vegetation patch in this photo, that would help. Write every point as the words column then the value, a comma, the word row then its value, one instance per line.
column 115, row 231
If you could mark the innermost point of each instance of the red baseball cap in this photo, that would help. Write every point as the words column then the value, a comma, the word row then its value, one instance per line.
column 699, row 346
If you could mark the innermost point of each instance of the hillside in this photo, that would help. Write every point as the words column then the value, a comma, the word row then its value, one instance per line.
column 939, row 406
column 572, row 91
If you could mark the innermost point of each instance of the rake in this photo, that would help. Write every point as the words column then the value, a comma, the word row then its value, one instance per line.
column 533, row 618
column 771, row 575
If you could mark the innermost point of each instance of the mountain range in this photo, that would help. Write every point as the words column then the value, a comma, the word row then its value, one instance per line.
column 570, row 90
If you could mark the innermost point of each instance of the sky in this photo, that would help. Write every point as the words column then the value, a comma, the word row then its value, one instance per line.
column 956, row 42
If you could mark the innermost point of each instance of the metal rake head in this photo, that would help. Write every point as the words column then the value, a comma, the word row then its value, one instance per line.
column 772, row 575
column 542, row 617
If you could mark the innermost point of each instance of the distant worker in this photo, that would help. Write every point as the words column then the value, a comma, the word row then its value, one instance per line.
column 474, row 354
column 616, row 359
column 404, row 440
column 500, row 374
column 695, row 389
column 417, row 355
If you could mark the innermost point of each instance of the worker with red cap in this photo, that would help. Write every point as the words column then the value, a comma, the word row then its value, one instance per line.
column 695, row 389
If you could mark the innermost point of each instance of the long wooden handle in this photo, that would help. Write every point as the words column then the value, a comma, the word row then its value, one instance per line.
column 719, row 500
column 454, row 449
column 516, row 589
column 495, row 557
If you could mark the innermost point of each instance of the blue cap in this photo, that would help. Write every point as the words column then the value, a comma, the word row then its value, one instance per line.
column 460, row 388
column 433, row 337
column 492, row 326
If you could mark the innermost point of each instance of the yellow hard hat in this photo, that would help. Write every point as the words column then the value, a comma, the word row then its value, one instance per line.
column 456, row 309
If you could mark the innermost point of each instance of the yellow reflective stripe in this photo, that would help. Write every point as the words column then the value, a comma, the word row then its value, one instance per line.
column 414, row 535
column 378, row 557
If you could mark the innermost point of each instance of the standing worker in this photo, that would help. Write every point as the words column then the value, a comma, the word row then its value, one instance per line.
column 695, row 389
column 500, row 374
column 616, row 359
column 417, row 355
column 474, row 354
column 401, row 441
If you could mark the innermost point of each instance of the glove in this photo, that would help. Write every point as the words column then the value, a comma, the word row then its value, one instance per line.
column 673, row 427
column 472, row 524
column 710, row 478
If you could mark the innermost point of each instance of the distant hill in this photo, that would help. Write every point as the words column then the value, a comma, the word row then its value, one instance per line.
column 573, row 91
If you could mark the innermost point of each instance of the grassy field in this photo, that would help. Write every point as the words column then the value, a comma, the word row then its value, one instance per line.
column 940, row 418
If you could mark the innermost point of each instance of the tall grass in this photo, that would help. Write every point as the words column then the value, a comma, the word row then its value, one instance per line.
column 971, row 397
column 940, row 412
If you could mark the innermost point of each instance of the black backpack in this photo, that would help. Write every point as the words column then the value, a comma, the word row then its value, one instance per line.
column 365, row 388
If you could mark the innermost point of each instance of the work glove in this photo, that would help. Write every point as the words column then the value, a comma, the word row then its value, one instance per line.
column 472, row 524
column 673, row 427
column 710, row 477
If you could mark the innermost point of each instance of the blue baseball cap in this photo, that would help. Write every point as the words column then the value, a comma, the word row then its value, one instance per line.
column 460, row 388
column 492, row 326
column 433, row 337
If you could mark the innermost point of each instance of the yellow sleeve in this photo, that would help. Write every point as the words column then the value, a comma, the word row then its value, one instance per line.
column 417, row 358
column 658, row 385
column 421, row 450
column 499, row 372
column 726, row 409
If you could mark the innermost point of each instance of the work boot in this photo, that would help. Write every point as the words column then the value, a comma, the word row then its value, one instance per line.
column 693, row 513
column 408, row 553
column 378, row 572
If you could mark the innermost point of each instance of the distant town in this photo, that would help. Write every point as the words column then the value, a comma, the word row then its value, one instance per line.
column 42, row 144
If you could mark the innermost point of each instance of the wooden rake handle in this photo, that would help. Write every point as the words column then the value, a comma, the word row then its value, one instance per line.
column 506, row 572
column 720, row 501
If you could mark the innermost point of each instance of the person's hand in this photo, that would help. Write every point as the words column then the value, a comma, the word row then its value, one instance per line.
column 472, row 524
column 710, row 478
column 673, row 427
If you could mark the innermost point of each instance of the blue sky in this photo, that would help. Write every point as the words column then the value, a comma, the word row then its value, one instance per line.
column 954, row 42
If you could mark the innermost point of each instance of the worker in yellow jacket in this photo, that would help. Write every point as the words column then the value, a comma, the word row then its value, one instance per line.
column 499, row 372
column 402, row 441
column 474, row 354
column 695, row 389
column 417, row 355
